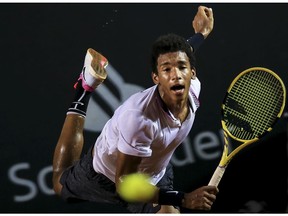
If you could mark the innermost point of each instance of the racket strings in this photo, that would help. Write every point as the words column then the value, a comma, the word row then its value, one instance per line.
column 252, row 104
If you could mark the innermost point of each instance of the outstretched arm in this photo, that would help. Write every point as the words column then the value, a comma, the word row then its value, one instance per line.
column 203, row 21
column 202, row 24
column 199, row 199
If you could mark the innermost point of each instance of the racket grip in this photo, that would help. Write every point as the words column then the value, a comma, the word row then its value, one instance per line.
column 217, row 176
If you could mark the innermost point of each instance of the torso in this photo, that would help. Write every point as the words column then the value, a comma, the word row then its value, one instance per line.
column 141, row 127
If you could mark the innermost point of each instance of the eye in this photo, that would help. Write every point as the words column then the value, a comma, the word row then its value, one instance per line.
column 166, row 69
column 182, row 67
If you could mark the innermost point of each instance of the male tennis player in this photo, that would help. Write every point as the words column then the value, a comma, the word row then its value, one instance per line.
column 142, row 134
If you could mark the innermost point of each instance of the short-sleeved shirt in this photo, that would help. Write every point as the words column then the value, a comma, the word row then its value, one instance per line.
column 142, row 126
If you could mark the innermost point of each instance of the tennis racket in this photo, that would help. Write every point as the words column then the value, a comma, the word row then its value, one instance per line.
column 253, row 103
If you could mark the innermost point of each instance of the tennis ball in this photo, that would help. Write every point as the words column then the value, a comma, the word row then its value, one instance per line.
column 136, row 188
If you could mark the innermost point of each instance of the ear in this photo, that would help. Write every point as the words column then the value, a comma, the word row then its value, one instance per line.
column 155, row 78
column 193, row 75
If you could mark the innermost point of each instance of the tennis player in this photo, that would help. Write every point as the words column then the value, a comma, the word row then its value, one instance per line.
column 143, row 133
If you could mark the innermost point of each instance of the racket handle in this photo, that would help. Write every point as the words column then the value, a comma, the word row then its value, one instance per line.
column 217, row 176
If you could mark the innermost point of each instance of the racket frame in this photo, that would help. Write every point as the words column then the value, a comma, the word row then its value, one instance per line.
column 226, row 156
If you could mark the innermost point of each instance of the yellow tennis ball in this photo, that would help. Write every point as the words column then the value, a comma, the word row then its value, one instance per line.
column 136, row 188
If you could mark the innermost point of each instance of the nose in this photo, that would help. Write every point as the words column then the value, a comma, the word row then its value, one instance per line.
column 176, row 74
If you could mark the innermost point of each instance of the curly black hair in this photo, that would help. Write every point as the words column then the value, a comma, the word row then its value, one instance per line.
column 171, row 43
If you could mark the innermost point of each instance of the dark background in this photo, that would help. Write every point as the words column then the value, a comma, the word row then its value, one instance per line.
column 42, row 51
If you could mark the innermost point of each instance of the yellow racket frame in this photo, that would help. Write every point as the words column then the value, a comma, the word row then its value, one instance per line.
column 226, row 156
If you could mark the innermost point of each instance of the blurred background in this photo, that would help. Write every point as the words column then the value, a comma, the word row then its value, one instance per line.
column 42, row 52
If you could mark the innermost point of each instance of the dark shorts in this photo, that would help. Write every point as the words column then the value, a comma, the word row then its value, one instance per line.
column 81, row 183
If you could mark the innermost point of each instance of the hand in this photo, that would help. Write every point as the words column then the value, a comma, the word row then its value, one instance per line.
column 203, row 21
column 201, row 198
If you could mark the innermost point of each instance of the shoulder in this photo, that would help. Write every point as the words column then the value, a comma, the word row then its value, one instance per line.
column 195, row 87
column 140, row 100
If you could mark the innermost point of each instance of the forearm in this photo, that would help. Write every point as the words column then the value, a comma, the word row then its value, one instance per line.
column 203, row 25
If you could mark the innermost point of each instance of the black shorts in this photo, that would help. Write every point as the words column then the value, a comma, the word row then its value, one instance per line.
column 80, row 182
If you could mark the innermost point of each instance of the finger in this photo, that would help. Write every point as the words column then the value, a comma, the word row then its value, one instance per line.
column 208, row 12
column 202, row 11
column 207, row 207
column 209, row 202
column 211, row 197
column 212, row 189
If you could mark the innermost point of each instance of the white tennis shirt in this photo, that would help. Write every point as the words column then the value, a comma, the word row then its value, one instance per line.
column 143, row 127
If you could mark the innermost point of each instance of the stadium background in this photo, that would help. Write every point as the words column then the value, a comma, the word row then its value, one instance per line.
column 42, row 51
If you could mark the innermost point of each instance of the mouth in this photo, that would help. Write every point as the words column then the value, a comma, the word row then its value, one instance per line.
column 178, row 89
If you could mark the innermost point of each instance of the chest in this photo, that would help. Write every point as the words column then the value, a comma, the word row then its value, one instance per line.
column 171, row 133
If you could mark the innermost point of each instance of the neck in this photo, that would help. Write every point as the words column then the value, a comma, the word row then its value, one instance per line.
column 179, row 109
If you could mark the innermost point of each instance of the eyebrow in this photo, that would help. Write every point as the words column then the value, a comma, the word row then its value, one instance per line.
column 164, row 64
column 183, row 62
column 179, row 62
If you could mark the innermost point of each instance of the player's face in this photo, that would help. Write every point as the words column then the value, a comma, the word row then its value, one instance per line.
column 174, row 76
